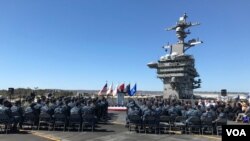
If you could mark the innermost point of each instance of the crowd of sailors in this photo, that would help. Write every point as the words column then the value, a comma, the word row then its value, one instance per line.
column 204, row 110
column 98, row 107
column 67, row 106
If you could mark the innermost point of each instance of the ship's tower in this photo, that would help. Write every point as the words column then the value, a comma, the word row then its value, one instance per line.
column 177, row 69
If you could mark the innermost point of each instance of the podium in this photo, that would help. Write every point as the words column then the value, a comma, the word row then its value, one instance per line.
column 120, row 99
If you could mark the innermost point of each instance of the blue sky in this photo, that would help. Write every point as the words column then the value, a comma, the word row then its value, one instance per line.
column 81, row 44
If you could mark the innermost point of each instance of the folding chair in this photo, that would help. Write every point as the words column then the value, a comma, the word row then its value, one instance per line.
column 136, row 121
column 88, row 121
column 165, row 123
column 60, row 120
column 75, row 120
column 45, row 119
column 150, row 122
column 29, row 119
column 207, row 125
column 193, row 125
column 179, row 122
column 5, row 121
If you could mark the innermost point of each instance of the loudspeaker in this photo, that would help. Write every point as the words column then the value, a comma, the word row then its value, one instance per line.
column 33, row 94
column 223, row 92
column 11, row 91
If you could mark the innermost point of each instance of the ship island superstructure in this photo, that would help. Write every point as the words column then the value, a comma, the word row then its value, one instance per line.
column 177, row 69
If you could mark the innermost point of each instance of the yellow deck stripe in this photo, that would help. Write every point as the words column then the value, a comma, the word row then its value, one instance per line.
column 210, row 137
column 49, row 137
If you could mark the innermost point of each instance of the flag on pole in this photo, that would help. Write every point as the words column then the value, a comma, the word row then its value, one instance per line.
column 128, row 89
column 133, row 90
column 121, row 87
column 103, row 90
column 115, row 90
column 110, row 90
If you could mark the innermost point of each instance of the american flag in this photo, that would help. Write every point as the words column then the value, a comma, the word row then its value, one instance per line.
column 103, row 90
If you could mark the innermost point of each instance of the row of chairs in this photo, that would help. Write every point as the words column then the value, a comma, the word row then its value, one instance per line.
column 51, row 122
column 60, row 120
column 167, row 123
column 155, row 123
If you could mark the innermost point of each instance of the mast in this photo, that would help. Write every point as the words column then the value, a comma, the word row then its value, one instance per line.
column 181, row 33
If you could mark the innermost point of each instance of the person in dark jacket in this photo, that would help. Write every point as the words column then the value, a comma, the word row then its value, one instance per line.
column 17, row 113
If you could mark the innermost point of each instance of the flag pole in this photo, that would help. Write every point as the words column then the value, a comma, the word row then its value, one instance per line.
column 112, row 99
column 113, row 103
